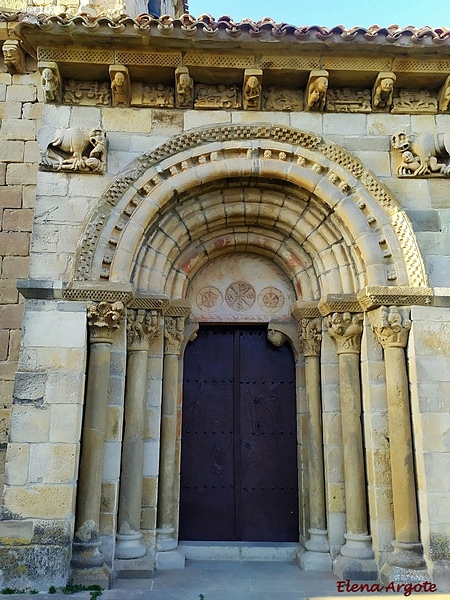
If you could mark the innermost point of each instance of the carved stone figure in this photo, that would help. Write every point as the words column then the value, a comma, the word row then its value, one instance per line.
column 349, row 100
column 87, row 93
column 383, row 92
column 316, row 92
column 76, row 150
column 422, row 153
column 444, row 96
column 51, row 82
column 279, row 99
column 184, row 88
column 120, row 85
column 217, row 96
column 252, row 89
column 414, row 101
column 14, row 57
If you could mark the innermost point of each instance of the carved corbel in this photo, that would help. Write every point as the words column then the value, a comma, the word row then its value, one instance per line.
column 14, row 57
column 383, row 91
column 316, row 91
column 120, row 85
column 444, row 96
column 184, row 88
column 51, row 81
column 279, row 332
column 76, row 150
column 252, row 89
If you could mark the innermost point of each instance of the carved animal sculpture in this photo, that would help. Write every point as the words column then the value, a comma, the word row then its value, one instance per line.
column 74, row 142
column 426, row 147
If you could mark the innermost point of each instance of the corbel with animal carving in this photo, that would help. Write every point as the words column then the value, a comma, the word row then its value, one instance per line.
column 76, row 150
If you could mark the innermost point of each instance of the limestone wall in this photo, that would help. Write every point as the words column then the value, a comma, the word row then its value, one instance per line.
column 20, row 116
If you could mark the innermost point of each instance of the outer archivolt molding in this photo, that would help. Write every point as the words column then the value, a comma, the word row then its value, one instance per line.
column 259, row 142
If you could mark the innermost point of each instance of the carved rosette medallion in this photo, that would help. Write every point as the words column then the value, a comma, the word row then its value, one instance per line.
column 240, row 296
column 311, row 336
column 208, row 298
column 142, row 328
column 173, row 334
column 345, row 329
column 392, row 327
column 104, row 318
column 271, row 300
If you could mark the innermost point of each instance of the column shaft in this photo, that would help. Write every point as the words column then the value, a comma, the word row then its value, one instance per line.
column 355, row 486
column 166, row 496
column 133, row 445
column 315, row 443
column 93, row 442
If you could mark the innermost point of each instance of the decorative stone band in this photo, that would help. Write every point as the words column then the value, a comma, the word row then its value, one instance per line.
column 99, row 292
column 374, row 296
column 339, row 303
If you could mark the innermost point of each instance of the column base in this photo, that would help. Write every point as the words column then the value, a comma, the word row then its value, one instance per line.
column 171, row 559
column 86, row 555
column 405, row 564
column 318, row 540
column 315, row 561
column 165, row 540
column 137, row 568
column 92, row 576
column 129, row 546
column 357, row 559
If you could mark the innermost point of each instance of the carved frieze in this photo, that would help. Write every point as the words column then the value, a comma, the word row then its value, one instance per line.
column 76, row 150
column 275, row 98
column 87, row 93
column 217, row 96
column 349, row 100
column 51, row 81
column 316, row 90
column 425, row 154
column 153, row 95
column 414, row 102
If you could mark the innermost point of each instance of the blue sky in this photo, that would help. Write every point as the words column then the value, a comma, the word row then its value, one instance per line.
column 435, row 13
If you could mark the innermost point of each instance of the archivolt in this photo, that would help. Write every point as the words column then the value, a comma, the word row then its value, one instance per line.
column 308, row 204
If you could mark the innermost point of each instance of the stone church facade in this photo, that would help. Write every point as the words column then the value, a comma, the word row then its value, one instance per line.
column 225, row 295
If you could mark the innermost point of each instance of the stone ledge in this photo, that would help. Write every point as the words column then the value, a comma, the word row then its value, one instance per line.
column 40, row 289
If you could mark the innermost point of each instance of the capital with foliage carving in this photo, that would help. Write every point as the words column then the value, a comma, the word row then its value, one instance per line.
column 173, row 334
column 311, row 336
column 392, row 326
column 345, row 329
column 142, row 328
column 104, row 318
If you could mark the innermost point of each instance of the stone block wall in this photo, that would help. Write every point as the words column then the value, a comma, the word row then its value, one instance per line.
column 20, row 117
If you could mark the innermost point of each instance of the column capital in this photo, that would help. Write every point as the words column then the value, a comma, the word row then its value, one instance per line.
column 391, row 325
column 173, row 334
column 142, row 327
column 345, row 329
column 311, row 335
column 104, row 318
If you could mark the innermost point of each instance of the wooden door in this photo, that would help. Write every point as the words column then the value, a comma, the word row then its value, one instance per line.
column 239, row 438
